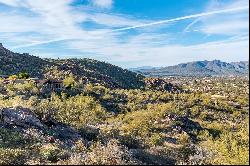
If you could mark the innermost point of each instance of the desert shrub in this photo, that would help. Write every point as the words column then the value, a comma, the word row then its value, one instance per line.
column 52, row 152
column 231, row 147
column 154, row 125
column 205, row 116
column 156, row 139
column 13, row 77
column 10, row 156
column 32, row 102
column 27, row 88
column 2, row 87
column 10, row 138
column 80, row 147
column 195, row 111
column 192, row 154
column 69, row 81
column 139, row 124
column 110, row 154
column 204, row 135
column 23, row 75
column 77, row 111
column 15, row 147
column 184, row 138
column 45, row 109
column 138, row 128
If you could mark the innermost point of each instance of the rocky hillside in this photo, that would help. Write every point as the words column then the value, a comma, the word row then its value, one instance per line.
column 200, row 68
column 12, row 63
column 90, row 70
column 104, row 126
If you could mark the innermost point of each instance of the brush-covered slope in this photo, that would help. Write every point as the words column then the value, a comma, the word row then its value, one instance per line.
column 89, row 70
column 13, row 63
column 95, row 72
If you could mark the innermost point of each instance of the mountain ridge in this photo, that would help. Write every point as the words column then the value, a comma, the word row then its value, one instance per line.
column 200, row 68
column 90, row 70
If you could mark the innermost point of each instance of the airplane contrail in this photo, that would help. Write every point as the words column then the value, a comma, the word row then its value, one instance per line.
column 149, row 24
column 183, row 18
column 39, row 43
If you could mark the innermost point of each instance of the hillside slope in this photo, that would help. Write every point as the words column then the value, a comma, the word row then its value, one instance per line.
column 201, row 68
column 91, row 70
column 12, row 63
column 95, row 72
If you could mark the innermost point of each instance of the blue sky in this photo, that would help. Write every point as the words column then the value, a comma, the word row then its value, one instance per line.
column 128, row 33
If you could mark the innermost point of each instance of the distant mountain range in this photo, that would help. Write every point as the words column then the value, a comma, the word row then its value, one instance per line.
column 90, row 70
column 198, row 68
column 143, row 68
column 107, row 74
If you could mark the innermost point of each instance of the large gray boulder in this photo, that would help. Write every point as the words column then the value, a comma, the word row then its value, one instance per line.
column 20, row 117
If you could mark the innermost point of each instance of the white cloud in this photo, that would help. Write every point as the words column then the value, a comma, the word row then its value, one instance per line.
column 233, row 23
column 233, row 27
column 11, row 2
column 114, row 20
column 140, row 50
column 59, row 21
column 63, row 23
column 52, row 21
column 18, row 23
column 103, row 3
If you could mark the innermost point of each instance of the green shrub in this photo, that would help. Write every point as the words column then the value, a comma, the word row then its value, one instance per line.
column 78, row 111
column 156, row 139
column 23, row 75
column 69, row 82
column 10, row 156
column 51, row 152
column 184, row 139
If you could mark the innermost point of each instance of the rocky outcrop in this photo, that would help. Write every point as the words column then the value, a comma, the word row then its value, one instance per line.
column 23, row 120
column 161, row 85
column 20, row 117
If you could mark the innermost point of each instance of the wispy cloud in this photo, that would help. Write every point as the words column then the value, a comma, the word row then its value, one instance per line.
column 233, row 23
column 113, row 21
column 141, row 51
column 11, row 2
column 122, row 39
column 103, row 3
column 146, row 24
column 35, row 43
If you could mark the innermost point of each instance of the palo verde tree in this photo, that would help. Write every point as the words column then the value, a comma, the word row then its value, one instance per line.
column 23, row 75
column 69, row 81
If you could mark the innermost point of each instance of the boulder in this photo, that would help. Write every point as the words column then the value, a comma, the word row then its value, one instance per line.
column 20, row 117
